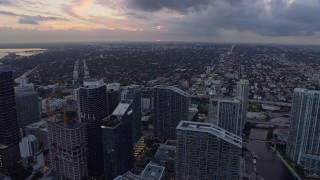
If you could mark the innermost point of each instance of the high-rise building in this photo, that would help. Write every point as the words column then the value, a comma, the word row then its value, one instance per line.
column 146, row 99
column 29, row 146
column 304, row 132
column 67, row 145
column 205, row 151
column 226, row 113
column 242, row 93
column 133, row 92
column 150, row 172
column 9, row 125
column 114, row 95
column 31, row 153
column 170, row 106
column 117, row 140
column 93, row 107
column 40, row 131
column 27, row 100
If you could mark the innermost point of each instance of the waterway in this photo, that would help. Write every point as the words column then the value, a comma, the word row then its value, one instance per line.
column 21, row 52
column 269, row 166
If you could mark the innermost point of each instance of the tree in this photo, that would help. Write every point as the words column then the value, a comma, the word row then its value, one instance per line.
column 270, row 133
column 19, row 172
column 247, row 129
column 300, row 171
column 37, row 176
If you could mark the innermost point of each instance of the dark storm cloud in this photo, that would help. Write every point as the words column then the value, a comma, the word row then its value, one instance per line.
column 181, row 6
column 25, row 19
column 279, row 19
column 137, row 15
column 36, row 19
column 208, row 18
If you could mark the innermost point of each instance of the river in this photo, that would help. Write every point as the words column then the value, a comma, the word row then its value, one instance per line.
column 269, row 166
column 21, row 52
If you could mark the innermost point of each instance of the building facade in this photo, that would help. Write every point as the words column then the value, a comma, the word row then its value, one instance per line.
column 304, row 132
column 93, row 107
column 226, row 113
column 242, row 93
column 114, row 95
column 40, row 131
column 117, row 140
column 31, row 153
column 205, row 151
column 170, row 106
column 9, row 125
column 67, row 147
column 28, row 109
column 133, row 92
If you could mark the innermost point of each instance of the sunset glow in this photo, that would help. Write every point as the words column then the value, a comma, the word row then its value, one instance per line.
column 271, row 21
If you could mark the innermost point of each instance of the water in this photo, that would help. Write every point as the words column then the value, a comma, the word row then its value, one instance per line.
column 21, row 52
column 269, row 166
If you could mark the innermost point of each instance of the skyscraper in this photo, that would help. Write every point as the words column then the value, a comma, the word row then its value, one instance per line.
column 205, row 151
column 170, row 106
column 304, row 132
column 226, row 113
column 9, row 126
column 117, row 140
column 133, row 92
column 114, row 95
column 40, row 131
column 27, row 100
column 242, row 93
column 93, row 107
column 30, row 152
column 67, row 145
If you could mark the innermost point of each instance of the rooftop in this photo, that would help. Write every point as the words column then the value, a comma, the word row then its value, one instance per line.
column 111, row 121
column 93, row 83
column 152, row 172
column 122, row 107
column 164, row 155
column 173, row 88
column 129, row 176
column 302, row 90
column 3, row 146
column 41, row 124
column 243, row 82
column 170, row 142
column 212, row 129
column 113, row 86
column 58, row 119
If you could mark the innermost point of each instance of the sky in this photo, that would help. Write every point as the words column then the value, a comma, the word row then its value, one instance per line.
column 246, row 21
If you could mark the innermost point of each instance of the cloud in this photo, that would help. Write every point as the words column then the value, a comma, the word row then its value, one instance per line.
column 185, row 19
column 36, row 19
column 78, row 5
column 25, row 19
column 8, row 13
column 4, row 2
column 75, row 8
column 209, row 18
column 181, row 6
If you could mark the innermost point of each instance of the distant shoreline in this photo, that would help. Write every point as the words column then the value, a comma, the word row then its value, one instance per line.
column 21, row 51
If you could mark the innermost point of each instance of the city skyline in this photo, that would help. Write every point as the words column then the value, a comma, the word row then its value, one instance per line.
column 264, row 21
column 187, row 111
